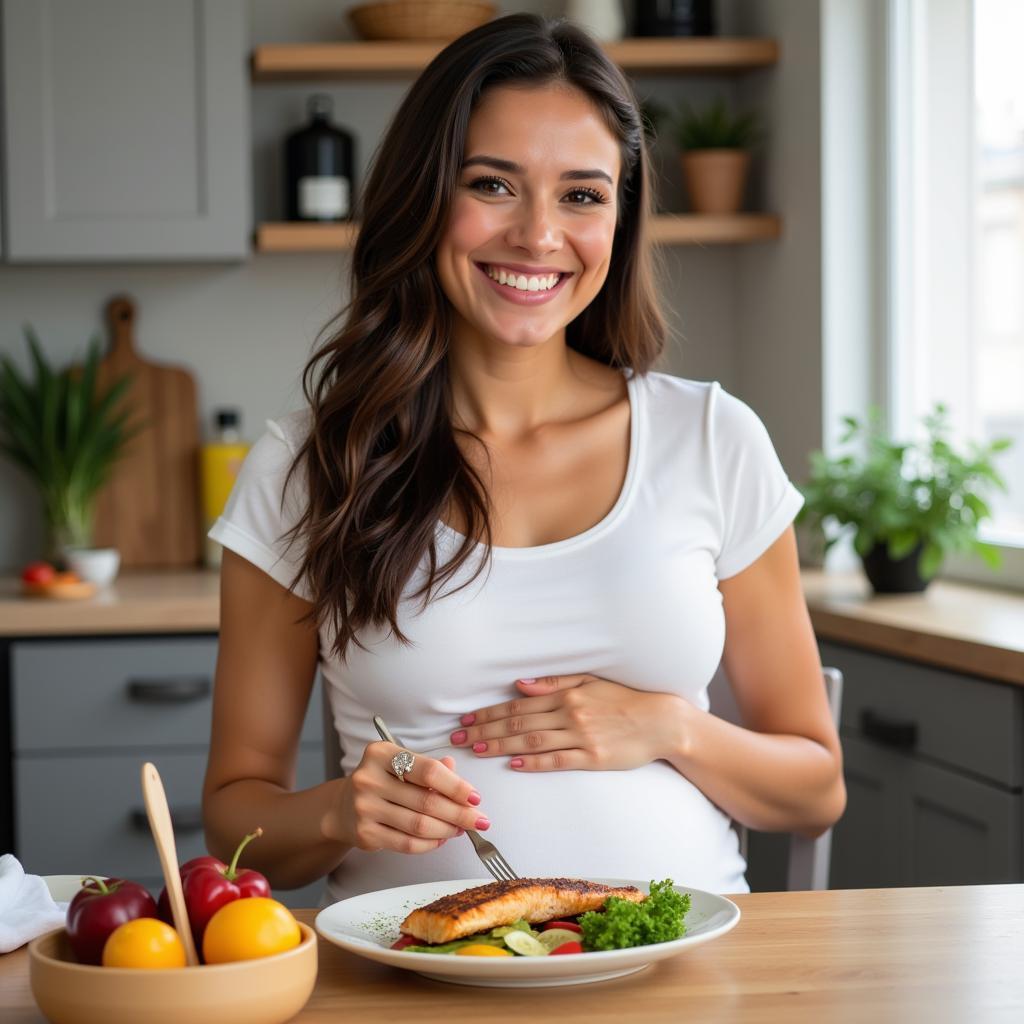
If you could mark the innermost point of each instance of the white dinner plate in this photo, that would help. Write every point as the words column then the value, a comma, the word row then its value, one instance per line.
column 368, row 925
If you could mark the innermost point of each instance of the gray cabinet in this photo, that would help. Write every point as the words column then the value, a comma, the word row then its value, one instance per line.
column 85, row 716
column 127, row 130
column 933, row 775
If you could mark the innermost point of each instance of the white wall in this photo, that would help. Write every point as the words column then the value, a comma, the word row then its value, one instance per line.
column 748, row 316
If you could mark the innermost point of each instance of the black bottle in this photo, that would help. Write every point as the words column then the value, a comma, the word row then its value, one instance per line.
column 674, row 18
column 318, row 167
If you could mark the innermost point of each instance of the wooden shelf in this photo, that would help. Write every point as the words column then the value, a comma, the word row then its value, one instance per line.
column 668, row 229
column 283, row 61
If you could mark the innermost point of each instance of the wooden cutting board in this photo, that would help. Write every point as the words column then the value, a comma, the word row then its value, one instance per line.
column 149, row 510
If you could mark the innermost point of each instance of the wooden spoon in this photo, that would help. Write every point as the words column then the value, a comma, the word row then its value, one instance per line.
column 163, row 835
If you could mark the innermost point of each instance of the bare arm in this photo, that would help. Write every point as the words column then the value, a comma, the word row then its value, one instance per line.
column 781, row 771
column 266, row 666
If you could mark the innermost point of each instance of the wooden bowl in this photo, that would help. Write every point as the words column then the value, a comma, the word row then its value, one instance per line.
column 420, row 19
column 270, row 990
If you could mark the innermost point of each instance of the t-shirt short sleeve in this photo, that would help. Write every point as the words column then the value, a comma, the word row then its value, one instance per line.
column 757, row 500
column 255, row 520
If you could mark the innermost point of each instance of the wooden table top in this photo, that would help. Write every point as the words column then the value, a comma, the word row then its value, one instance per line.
column 879, row 955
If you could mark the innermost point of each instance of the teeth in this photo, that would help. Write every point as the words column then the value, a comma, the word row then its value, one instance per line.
column 521, row 282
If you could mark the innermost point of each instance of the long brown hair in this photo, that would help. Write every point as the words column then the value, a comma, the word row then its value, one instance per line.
column 381, row 461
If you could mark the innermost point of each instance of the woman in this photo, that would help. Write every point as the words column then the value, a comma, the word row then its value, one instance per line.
column 497, row 529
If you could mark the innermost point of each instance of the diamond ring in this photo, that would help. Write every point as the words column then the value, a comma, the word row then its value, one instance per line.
column 402, row 763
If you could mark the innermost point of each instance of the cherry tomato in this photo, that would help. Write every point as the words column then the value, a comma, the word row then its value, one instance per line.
column 249, row 928
column 38, row 572
column 567, row 947
column 404, row 940
column 144, row 942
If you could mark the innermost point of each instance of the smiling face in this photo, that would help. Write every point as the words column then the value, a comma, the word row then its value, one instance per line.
column 529, row 235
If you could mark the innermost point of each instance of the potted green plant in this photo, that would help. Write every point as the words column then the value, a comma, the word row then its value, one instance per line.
column 908, row 504
column 716, row 147
column 66, row 434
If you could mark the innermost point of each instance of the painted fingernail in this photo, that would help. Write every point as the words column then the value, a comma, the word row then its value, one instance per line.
column 482, row 824
column 468, row 719
column 516, row 762
column 528, row 682
column 459, row 736
column 479, row 748
column 474, row 798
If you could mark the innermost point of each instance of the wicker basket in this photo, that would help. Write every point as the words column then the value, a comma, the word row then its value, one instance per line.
column 420, row 19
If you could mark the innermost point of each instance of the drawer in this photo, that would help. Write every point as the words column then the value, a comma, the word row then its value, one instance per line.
column 969, row 724
column 78, row 814
column 102, row 695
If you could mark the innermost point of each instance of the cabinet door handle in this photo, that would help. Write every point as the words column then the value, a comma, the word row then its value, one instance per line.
column 890, row 732
column 184, row 819
column 173, row 690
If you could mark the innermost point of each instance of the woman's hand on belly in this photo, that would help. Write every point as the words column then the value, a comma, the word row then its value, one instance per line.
column 577, row 722
column 375, row 810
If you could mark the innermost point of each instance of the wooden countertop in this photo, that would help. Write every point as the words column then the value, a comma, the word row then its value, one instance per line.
column 971, row 629
column 964, row 628
column 173, row 601
column 947, row 954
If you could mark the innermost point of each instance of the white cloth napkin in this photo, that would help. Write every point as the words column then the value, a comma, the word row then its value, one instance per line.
column 26, row 907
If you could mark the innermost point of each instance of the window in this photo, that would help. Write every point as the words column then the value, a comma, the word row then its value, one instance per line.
column 956, row 216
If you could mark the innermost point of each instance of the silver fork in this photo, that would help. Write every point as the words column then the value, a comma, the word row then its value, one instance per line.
column 490, row 856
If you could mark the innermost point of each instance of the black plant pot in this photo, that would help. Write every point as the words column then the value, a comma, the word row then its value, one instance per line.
column 894, row 576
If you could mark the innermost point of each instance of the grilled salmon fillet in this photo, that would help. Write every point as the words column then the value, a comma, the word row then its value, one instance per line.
column 500, row 903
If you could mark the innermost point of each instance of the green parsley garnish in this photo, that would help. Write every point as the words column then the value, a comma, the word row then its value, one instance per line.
column 659, row 918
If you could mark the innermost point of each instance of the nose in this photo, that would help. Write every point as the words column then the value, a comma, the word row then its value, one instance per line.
column 534, row 229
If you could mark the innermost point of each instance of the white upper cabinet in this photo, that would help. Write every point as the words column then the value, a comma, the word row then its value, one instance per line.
column 127, row 130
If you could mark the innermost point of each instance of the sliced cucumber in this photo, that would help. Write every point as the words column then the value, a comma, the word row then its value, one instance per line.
column 555, row 937
column 525, row 945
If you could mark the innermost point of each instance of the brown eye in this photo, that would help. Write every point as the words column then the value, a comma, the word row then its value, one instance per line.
column 590, row 196
column 489, row 186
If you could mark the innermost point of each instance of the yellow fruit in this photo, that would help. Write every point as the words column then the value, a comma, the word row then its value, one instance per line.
column 482, row 950
column 249, row 928
column 143, row 942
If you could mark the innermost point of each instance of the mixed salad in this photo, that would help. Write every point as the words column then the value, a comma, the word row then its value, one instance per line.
column 619, row 924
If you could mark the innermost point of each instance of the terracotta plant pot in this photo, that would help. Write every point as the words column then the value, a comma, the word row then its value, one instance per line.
column 716, row 179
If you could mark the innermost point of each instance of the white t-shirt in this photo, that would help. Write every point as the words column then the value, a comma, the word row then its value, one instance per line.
column 633, row 599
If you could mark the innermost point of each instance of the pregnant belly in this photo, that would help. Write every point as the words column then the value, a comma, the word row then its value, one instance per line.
column 649, row 823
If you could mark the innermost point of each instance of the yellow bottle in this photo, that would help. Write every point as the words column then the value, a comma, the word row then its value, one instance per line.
column 220, row 460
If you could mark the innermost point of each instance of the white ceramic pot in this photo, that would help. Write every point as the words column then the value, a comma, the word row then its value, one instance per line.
column 95, row 565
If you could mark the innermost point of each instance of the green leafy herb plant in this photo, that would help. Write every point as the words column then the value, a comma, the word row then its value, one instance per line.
column 904, row 496
column 65, row 435
column 714, row 127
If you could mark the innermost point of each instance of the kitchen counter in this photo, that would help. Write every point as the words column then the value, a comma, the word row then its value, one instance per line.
column 975, row 630
column 887, row 955
column 970, row 629
column 171, row 601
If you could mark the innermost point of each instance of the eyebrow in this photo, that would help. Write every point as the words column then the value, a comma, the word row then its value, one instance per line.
column 510, row 167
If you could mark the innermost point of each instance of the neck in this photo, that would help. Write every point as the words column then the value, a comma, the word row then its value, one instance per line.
column 506, row 392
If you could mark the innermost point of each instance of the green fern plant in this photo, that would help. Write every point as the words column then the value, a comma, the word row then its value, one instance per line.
column 904, row 495
column 65, row 435
column 714, row 127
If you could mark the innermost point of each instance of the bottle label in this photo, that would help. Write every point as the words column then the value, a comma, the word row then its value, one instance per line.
column 323, row 198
